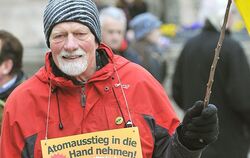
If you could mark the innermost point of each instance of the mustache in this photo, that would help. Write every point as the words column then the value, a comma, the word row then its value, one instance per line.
column 78, row 52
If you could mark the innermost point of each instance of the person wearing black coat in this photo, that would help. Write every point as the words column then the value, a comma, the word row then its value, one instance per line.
column 230, row 91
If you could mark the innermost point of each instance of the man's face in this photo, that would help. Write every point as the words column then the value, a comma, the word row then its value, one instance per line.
column 113, row 33
column 73, row 49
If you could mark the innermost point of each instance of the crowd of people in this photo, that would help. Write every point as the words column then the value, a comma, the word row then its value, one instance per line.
column 108, row 62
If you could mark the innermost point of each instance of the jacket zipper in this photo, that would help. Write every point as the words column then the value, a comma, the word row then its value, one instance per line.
column 83, row 97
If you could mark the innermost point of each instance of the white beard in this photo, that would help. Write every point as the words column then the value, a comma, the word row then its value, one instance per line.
column 73, row 67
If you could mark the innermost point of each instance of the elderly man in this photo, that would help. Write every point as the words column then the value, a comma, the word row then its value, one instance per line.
column 85, row 88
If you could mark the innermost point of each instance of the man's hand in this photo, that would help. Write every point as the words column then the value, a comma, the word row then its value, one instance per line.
column 199, row 127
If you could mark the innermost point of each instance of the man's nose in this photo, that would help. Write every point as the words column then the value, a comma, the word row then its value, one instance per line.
column 71, row 44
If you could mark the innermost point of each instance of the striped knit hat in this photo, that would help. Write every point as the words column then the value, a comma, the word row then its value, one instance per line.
column 83, row 11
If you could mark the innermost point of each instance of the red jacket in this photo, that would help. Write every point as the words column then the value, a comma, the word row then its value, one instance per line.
column 26, row 109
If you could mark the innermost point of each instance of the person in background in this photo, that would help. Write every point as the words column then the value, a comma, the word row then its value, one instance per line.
column 84, row 87
column 230, row 91
column 113, row 26
column 11, row 74
column 132, row 8
column 147, row 44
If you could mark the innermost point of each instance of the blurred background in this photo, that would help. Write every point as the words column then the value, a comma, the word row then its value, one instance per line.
column 181, row 20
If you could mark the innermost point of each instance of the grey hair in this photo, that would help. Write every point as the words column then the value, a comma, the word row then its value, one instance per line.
column 114, row 13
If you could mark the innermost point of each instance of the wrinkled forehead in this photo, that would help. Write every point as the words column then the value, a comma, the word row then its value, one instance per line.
column 71, row 25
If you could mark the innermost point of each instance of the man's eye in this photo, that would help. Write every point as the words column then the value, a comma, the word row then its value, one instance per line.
column 110, row 31
column 58, row 37
column 80, row 35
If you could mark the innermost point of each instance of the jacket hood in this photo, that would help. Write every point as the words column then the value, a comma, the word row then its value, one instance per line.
column 46, row 73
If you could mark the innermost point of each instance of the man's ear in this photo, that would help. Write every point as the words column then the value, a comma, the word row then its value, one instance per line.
column 7, row 66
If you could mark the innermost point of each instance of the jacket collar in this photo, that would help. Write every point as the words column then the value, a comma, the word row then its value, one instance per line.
column 47, row 73
column 19, row 79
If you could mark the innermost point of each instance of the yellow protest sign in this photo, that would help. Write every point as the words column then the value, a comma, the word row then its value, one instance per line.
column 244, row 9
column 118, row 143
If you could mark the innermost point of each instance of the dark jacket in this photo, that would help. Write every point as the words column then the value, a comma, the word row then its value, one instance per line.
column 3, row 96
column 230, row 91
column 20, row 78
column 150, row 56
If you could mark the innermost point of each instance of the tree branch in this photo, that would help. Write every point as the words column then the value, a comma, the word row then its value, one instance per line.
column 216, row 55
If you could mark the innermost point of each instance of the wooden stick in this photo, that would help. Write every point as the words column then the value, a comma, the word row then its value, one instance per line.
column 216, row 55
